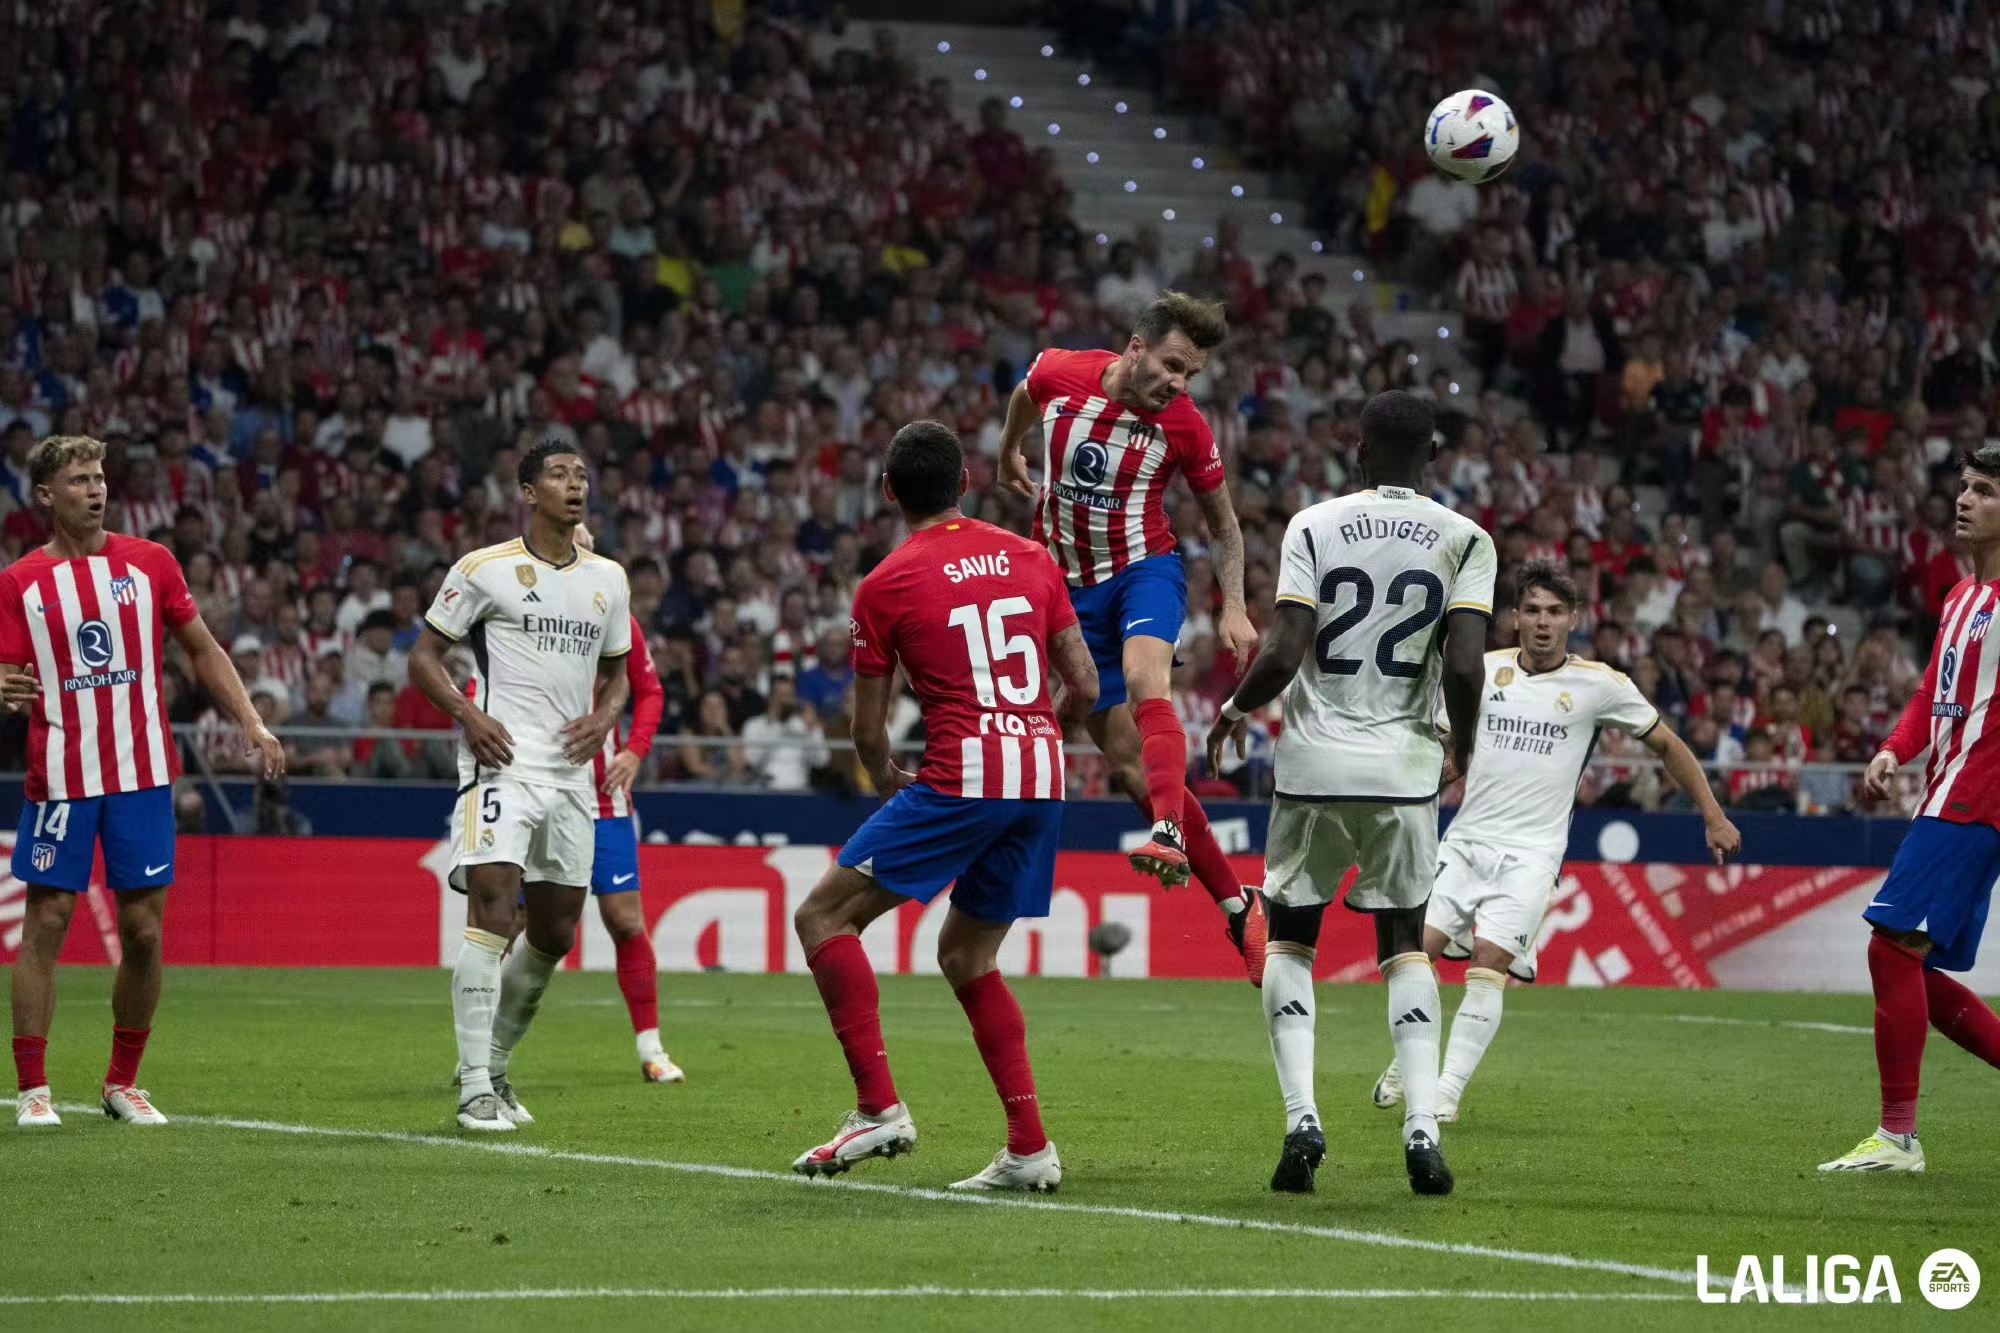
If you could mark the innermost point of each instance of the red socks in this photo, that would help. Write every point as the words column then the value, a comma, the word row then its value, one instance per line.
column 847, row 987
column 30, row 1054
column 1902, row 1019
column 639, row 981
column 128, row 1046
column 1205, row 855
column 1163, row 753
column 1959, row 1014
column 1002, row 1036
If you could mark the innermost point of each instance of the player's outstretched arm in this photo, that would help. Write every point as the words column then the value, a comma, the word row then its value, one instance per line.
column 873, row 697
column 1021, row 417
column 1464, row 678
column 1078, row 674
column 1285, row 647
column 583, row 737
column 1724, row 841
column 217, row 675
column 1234, row 632
column 486, row 738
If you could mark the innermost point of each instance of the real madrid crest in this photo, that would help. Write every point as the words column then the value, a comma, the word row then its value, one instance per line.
column 597, row 600
column 525, row 574
column 1503, row 678
column 1565, row 704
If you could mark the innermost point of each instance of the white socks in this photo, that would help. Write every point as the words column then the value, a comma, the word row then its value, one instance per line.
column 1471, row 1031
column 522, row 982
column 1288, row 1008
column 475, row 994
column 649, row 1043
column 1413, row 1027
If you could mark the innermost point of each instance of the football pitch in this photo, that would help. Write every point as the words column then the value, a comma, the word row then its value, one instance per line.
column 314, row 1177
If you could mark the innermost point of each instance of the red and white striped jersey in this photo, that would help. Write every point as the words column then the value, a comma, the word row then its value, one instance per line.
column 94, row 631
column 968, row 611
column 1104, row 486
column 1952, row 714
column 649, row 701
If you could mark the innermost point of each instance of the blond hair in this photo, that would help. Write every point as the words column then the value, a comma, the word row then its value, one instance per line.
column 47, row 459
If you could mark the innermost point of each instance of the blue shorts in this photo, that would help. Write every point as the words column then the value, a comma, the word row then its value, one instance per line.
column 1001, row 853
column 1147, row 599
column 616, row 867
column 57, row 843
column 1941, row 883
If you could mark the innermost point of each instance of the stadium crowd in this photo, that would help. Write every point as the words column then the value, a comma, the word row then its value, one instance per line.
column 316, row 274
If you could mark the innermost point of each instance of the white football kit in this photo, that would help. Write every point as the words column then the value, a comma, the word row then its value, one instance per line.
column 537, row 632
column 1501, row 859
column 1358, row 760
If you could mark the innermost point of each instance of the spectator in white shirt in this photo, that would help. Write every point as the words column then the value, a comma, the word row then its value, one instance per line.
column 784, row 744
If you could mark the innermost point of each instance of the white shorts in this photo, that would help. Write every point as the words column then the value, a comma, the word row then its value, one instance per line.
column 550, row 832
column 1493, row 894
column 1312, row 845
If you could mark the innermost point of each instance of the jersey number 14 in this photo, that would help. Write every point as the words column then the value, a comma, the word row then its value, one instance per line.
column 1400, row 588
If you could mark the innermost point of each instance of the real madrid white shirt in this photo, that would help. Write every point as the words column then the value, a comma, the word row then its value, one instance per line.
column 537, row 632
column 1536, row 732
column 1381, row 569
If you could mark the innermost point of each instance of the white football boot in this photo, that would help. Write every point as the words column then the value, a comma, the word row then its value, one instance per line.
column 485, row 1114
column 36, row 1109
column 131, row 1105
column 889, row 1134
column 1882, row 1151
column 1037, row 1173
column 1388, row 1088
column 655, row 1067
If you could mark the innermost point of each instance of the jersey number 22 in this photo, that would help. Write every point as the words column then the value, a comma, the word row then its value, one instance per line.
column 1400, row 588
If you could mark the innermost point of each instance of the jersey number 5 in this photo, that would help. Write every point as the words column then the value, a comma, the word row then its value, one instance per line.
column 988, row 644
column 1419, row 620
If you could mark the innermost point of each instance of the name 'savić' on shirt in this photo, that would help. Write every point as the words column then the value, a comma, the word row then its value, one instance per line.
column 1381, row 570
column 1103, row 500
column 537, row 632
column 1536, row 732
column 94, row 631
column 967, row 610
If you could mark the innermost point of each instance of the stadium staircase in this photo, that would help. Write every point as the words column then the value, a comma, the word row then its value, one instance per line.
column 1129, row 165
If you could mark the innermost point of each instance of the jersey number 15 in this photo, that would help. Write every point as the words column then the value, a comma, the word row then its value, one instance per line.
column 988, row 644
column 1400, row 588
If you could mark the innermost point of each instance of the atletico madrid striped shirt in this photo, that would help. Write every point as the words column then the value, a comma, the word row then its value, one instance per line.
column 94, row 630
column 1952, row 715
column 1103, row 499
column 649, row 701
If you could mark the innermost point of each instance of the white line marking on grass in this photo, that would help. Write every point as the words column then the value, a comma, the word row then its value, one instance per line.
column 1767, row 1023
column 1384, row 1239
column 831, row 1293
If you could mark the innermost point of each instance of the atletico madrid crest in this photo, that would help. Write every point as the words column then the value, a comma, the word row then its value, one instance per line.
column 1981, row 622
column 125, row 590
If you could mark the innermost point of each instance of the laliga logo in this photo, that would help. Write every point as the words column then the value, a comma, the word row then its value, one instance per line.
column 1948, row 1279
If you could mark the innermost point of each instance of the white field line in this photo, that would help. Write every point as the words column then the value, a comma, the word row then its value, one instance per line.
column 829, row 1293
column 1383, row 1239
column 1794, row 1024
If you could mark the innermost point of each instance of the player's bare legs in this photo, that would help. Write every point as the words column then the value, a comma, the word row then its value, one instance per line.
column 624, row 919
column 1116, row 735
column 492, row 893
column 135, row 995
column 968, row 955
column 829, row 925
column 43, row 929
column 1413, row 1028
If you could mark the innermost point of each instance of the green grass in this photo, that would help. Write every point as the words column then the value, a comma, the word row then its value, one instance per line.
column 1601, row 1127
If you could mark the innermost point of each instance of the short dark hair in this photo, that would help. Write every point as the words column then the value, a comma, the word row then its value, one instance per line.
column 1985, row 460
column 532, row 462
column 1541, row 574
column 926, row 463
column 1203, row 322
column 1398, row 426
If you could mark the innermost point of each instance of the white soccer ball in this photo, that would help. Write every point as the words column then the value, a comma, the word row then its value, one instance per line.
column 1472, row 136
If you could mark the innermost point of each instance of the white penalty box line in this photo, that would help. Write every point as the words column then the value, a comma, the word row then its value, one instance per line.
column 829, row 1293
column 1352, row 1236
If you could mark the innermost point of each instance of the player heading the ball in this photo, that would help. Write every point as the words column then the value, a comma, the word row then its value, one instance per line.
column 974, row 617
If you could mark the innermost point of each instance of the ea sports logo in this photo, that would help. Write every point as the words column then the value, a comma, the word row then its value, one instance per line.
column 1949, row 1279
column 1092, row 462
column 93, row 644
